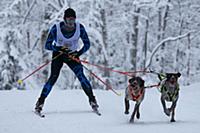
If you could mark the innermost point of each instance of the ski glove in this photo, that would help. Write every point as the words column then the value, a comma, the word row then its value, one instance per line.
column 75, row 54
column 65, row 50
column 61, row 49
column 56, row 48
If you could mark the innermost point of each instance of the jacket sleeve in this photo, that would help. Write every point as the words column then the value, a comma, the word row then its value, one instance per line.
column 50, row 39
column 85, row 39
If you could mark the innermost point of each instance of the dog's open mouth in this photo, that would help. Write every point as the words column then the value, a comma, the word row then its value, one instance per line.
column 172, row 80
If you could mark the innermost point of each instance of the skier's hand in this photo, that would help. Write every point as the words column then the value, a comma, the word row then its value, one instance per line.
column 56, row 48
column 65, row 50
column 61, row 49
column 74, row 54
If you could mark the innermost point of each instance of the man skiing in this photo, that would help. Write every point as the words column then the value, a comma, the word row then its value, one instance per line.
column 63, row 38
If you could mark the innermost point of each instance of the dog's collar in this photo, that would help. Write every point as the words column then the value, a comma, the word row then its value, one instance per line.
column 135, row 97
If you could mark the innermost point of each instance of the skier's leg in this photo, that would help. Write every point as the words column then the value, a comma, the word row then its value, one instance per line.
column 56, row 65
column 77, row 68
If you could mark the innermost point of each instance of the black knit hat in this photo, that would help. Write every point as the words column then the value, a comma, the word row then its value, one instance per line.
column 69, row 12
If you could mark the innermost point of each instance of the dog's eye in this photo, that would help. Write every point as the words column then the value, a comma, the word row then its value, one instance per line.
column 168, row 76
column 135, row 83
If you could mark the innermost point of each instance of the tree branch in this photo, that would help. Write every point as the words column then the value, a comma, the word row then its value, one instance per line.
column 28, row 12
column 161, row 43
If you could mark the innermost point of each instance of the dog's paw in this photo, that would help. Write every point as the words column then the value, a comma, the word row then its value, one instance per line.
column 172, row 120
column 170, row 109
column 138, row 115
column 167, row 112
column 126, row 112
column 131, row 121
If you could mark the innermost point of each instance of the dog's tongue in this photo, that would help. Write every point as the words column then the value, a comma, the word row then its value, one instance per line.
column 172, row 82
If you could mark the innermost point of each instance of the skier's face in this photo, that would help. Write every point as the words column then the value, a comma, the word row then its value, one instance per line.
column 70, row 22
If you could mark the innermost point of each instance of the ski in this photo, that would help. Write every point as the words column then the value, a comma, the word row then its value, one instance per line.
column 39, row 114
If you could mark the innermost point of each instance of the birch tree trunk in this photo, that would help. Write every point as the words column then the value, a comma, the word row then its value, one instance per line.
column 45, row 72
column 105, row 38
column 159, row 24
column 145, row 43
column 188, row 61
column 133, row 51
column 28, row 40
column 180, row 32
column 163, row 35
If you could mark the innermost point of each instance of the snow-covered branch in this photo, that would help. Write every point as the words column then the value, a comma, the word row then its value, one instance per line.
column 161, row 43
column 57, row 8
column 15, row 2
column 195, row 35
column 139, row 15
column 56, row 15
column 28, row 12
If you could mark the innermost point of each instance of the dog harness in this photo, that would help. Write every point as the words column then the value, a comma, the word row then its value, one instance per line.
column 171, row 92
column 135, row 94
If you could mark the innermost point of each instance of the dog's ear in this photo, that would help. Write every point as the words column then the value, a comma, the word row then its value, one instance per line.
column 140, row 81
column 168, row 76
column 159, row 76
column 178, row 74
column 142, row 84
column 131, row 80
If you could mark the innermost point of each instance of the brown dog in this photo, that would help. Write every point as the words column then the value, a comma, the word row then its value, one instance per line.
column 135, row 92
column 169, row 89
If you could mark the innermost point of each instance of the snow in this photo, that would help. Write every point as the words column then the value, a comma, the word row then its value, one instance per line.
column 69, row 111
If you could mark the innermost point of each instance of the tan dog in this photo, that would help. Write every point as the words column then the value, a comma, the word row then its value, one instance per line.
column 135, row 92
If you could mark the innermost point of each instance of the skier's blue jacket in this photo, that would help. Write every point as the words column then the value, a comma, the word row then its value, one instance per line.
column 53, row 36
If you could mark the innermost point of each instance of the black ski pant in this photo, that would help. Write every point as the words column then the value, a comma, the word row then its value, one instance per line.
column 76, row 67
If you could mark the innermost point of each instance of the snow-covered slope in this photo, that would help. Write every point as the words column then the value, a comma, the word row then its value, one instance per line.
column 69, row 111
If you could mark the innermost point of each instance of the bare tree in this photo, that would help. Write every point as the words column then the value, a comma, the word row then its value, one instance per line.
column 135, row 38
column 146, row 42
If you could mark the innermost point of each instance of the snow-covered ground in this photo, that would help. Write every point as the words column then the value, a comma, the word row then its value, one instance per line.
column 68, row 111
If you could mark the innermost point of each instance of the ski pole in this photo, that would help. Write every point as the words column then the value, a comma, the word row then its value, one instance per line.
column 107, row 85
column 40, row 67
column 110, row 88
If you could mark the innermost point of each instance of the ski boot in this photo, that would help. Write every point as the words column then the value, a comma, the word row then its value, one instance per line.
column 95, row 107
column 39, row 105
column 93, row 103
